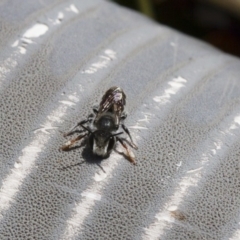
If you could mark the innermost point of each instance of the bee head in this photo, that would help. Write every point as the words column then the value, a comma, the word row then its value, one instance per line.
column 102, row 142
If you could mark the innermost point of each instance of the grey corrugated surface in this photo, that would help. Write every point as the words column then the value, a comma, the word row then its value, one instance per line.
column 183, row 104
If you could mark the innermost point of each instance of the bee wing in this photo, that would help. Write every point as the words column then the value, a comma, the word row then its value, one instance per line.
column 113, row 97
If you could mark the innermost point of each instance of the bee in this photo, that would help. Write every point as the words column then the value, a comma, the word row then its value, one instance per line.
column 101, row 128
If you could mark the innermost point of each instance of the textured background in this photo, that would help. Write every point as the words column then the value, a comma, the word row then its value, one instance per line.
column 57, row 58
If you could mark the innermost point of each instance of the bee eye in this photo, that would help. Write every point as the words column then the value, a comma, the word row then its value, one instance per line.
column 111, row 143
column 91, row 139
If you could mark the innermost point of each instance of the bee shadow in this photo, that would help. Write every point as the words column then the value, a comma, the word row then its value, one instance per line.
column 88, row 157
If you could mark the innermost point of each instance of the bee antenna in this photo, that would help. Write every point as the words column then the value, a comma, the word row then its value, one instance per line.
column 113, row 135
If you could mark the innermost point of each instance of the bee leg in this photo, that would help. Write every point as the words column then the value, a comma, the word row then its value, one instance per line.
column 95, row 109
column 129, row 155
column 68, row 144
column 124, row 115
column 129, row 143
column 72, row 130
column 133, row 145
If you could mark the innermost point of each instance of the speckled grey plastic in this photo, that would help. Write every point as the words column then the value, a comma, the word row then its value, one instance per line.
column 57, row 59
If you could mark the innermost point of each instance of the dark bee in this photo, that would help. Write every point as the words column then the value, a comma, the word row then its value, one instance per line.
column 102, row 126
